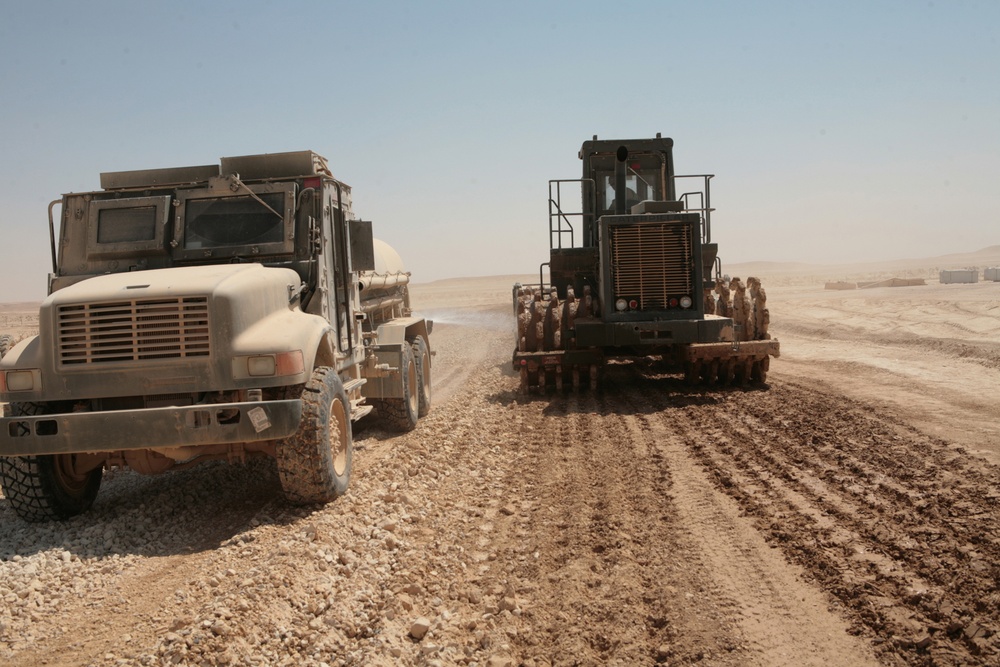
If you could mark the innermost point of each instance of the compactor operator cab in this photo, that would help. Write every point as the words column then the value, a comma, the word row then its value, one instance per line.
column 641, row 170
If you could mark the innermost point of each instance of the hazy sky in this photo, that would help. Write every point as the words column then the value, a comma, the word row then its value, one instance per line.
column 837, row 131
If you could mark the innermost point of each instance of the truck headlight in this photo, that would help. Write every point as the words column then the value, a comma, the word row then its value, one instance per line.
column 268, row 365
column 28, row 380
column 261, row 365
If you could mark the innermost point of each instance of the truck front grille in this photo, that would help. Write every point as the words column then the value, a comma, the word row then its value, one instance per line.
column 135, row 330
column 652, row 263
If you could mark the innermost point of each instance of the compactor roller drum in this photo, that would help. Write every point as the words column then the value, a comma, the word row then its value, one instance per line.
column 750, row 320
column 546, row 324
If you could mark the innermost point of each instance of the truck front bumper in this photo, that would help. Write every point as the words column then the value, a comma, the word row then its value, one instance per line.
column 151, row 428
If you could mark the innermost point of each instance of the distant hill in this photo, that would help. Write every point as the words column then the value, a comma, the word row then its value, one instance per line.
column 980, row 258
column 875, row 270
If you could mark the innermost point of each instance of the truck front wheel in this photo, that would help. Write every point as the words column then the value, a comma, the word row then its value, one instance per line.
column 314, row 465
column 48, row 488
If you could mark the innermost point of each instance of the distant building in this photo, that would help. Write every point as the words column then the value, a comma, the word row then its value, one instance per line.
column 959, row 276
column 992, row 273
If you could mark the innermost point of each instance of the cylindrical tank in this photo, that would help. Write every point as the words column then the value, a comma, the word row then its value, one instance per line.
column 385, row 287
column 389, row 271
column 387, row 260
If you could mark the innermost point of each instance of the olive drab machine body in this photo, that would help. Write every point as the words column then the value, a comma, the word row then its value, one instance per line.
column 633, row 271
column 223, row 311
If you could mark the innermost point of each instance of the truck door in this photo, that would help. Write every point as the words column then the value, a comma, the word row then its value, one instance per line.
column 339, row 267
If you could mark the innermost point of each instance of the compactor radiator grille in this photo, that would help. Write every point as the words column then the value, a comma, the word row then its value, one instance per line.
column 134, row 330
column 652, row 263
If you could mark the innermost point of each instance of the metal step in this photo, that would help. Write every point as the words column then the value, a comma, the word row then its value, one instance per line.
column 358, row 410
column 354, row 384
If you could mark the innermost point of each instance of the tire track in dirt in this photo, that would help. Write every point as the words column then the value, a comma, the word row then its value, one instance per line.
column 899, row 526
column 778, row 619
column 973, row 348
column 601, row 546
column 629, row 520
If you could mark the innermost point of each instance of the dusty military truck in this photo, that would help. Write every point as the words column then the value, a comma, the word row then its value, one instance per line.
column 212, row 312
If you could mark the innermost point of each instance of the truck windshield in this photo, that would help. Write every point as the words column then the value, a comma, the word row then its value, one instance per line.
column 233, row 221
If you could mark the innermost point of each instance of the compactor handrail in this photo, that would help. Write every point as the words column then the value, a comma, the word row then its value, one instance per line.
column 558, row 219
column 704, row 196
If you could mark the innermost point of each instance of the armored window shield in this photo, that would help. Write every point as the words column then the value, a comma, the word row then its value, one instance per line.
column 128, row 227
column 212, row 225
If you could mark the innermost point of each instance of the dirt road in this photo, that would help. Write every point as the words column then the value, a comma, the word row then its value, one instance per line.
column 845, row 515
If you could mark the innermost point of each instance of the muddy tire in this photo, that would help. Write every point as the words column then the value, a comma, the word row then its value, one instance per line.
column 6, row 342
column 400, row 414
column 47, row 488
column 422, row 355
column 314, row 465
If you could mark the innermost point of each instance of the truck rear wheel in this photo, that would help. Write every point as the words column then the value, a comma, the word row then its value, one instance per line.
column 400, row 414
column 47, row 488
column 423, row 359
column 314, row 465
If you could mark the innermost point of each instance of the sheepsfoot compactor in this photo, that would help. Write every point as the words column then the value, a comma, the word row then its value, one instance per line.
column 633, row 272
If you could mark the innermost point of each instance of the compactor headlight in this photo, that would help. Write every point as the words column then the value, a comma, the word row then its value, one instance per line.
column 686, row 302
column 621, row 304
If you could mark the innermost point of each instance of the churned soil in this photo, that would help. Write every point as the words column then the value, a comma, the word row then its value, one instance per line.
column 845, row 514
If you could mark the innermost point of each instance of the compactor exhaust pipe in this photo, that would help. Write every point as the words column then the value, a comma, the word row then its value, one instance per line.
column 621, row 190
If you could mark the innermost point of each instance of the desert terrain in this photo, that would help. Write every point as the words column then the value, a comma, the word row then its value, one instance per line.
column 844, row 514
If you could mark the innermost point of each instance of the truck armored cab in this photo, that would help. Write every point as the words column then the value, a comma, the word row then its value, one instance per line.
column 634, row 273
column 212, row 312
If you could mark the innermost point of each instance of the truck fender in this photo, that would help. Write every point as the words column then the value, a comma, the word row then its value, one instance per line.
column 290, row 330
column 326, row 349
column 25, row 354
column 393, row 336
column 402, row 329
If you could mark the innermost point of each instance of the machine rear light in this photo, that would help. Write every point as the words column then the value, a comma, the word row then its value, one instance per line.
column 633, row 304
column 673, row 302
column 314, row 182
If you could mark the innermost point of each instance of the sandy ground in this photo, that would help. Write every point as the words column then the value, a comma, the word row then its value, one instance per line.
column 846, row 514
